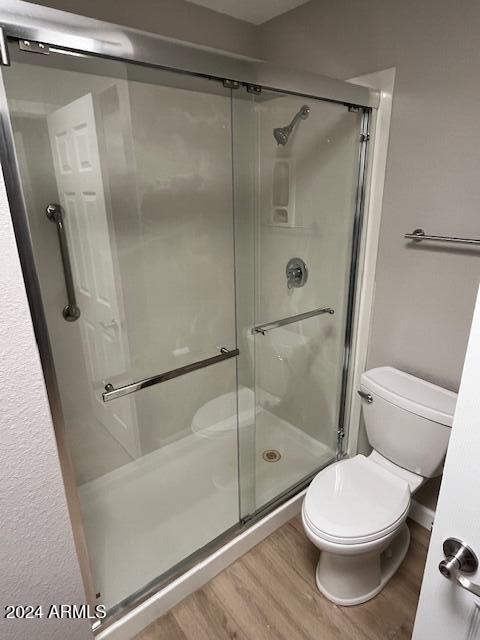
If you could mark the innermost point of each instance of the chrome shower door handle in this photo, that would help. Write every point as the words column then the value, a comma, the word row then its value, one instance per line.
column 459, row 560
column 70, row 312
column 111, row 392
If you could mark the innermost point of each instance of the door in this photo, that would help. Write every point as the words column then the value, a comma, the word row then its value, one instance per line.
column 446, row 611
column 294, row 322
column 73, row 139
column 140, row 161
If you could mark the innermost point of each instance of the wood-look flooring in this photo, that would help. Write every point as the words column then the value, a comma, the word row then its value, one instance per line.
column 270, row 593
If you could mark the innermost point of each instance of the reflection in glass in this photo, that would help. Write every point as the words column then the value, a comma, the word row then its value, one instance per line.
column 140, row 162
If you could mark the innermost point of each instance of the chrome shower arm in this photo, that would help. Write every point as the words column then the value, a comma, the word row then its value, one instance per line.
column 281, row 134
column 302, row 114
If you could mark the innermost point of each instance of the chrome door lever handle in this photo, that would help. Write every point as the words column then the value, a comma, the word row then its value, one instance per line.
column 459, row 560
column 464, row 582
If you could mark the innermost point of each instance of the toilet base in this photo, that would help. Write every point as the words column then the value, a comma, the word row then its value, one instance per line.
column 348, row 580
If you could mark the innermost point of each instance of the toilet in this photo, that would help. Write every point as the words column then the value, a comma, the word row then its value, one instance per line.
column 355, row 510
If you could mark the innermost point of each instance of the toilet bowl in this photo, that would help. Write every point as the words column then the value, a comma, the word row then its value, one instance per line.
column 355, row 510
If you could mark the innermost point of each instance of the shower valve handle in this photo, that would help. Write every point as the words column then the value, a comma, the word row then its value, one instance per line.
column 296, row 272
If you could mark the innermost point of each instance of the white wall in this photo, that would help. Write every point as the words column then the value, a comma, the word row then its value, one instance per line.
column 37, row 556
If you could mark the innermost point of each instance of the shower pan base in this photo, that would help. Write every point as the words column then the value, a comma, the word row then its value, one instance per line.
column 145, row 506
column 134, row 620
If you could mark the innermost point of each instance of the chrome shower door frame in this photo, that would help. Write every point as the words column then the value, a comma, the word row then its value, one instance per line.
column 64, row 32
column 53, row 28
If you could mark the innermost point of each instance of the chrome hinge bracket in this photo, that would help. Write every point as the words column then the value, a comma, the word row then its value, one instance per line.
column 254, row 88
column 364, row 137
column 231, row 84
column 4, row 55
column 340, row 437
column 34, row 47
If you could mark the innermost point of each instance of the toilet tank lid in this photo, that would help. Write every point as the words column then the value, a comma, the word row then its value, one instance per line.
column 412, row 394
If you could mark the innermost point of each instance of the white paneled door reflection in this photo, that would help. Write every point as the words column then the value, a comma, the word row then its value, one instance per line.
column 74, row 143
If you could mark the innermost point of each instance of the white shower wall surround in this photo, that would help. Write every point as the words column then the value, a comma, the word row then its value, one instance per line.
column 193, row 162
column 322, row 199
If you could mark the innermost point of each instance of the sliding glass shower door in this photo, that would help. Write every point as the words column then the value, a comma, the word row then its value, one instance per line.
column 297, row 221
column 136, row 269
column 193, row 247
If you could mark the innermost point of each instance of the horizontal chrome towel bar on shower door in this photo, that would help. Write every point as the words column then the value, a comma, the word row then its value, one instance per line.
column 419, row 235
column 263, row 328
column 111, row 393
column 70, row 312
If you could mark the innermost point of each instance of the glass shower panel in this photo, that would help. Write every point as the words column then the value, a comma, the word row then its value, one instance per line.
column 139, row 161
column 301, row 216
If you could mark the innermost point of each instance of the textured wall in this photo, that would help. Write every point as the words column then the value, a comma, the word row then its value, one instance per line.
column 424, row 296
column 38, row 564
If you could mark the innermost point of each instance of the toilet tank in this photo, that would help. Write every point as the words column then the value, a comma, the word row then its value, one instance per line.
column 408, row 420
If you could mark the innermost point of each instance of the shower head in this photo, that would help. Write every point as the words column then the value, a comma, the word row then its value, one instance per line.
column 281, row 134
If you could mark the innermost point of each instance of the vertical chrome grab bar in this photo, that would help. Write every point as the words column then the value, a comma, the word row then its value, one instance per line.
column 4, row 55
column 70, row 312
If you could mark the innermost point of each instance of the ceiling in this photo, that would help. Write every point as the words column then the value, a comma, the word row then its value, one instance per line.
column 254, row 11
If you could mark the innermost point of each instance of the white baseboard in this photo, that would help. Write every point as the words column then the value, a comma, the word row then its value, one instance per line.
column 421, row 514
column 136, row 620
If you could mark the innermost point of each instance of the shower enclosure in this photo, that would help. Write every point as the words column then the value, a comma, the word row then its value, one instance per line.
column 190, row 260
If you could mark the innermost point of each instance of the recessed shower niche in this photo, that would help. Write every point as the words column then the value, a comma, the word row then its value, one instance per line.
column 283, row 192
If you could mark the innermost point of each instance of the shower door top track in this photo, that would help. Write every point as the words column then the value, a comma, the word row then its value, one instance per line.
column 37, row 24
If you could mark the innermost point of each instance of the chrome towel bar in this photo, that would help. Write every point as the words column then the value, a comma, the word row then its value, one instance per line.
column 111, row 393
column 263, row 328
column 70, row 312
column 419, row 235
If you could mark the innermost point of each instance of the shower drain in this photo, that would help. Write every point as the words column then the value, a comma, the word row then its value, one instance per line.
column 271, row 455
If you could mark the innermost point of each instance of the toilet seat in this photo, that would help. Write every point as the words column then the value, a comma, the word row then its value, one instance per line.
column 355, row 501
